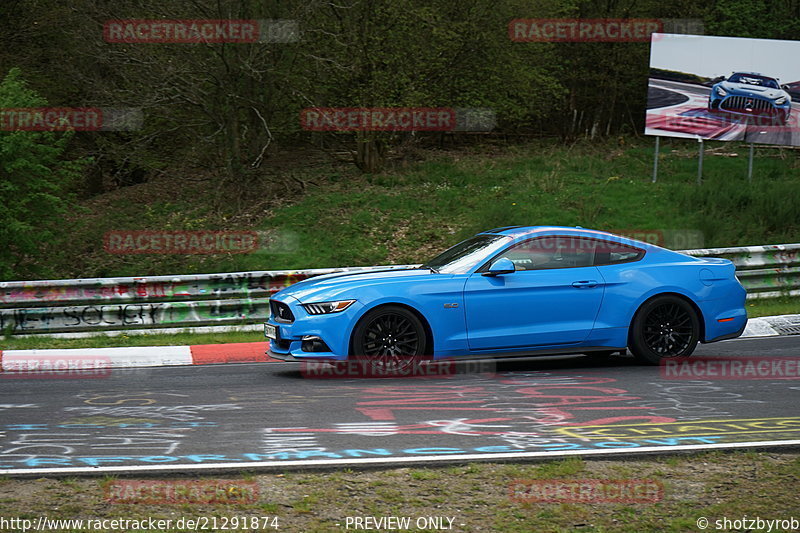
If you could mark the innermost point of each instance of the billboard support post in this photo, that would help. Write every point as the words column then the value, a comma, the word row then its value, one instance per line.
column 750, row 164
column 655, row 160
column 700, row 163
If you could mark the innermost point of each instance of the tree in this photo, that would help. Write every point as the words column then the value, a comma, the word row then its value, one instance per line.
column 34, row 178
column 415, row 53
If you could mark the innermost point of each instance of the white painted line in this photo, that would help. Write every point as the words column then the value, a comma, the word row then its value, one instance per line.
column 87, row 358
column 405, row 460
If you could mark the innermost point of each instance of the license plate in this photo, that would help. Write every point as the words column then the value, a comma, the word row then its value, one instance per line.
column 270, row 331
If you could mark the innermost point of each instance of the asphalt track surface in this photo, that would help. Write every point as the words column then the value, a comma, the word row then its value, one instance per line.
column 678, row 109
column 281, row 415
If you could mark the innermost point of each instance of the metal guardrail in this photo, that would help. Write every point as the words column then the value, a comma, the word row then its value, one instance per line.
column 114, row 304
column 240, row 298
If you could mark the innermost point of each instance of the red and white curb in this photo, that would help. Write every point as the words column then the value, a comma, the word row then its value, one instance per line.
column 245, row 352
column 139, row 356
column 766, row 326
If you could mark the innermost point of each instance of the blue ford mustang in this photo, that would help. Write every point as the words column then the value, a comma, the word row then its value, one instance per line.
column 515, row 291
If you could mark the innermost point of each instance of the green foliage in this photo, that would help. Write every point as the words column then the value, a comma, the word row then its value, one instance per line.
column 33, row 177
column 756, row 18
column 732, row 211
column 228, row 114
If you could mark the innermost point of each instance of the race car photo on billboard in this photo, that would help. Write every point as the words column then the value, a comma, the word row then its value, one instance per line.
column 752, row 94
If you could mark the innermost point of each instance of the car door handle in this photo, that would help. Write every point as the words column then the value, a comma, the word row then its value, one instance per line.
column 584, row 284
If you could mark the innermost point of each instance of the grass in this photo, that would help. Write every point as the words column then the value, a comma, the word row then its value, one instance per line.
column 710, row 485
column 408, row 212
column 773, row 306
column 405, row 216
column 755, row 308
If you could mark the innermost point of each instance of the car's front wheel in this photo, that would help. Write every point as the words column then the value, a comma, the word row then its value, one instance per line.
column 390, row 337
column 664, row 327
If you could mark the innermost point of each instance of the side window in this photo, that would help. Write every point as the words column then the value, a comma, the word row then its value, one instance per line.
column 551, row 252
column 610, row 253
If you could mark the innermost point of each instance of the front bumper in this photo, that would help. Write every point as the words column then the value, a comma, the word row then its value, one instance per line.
column 735, row 104
column 282, row 356
column 333, row 329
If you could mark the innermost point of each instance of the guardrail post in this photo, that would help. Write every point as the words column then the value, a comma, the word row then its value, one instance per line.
column 700, row 163
column 655, row 159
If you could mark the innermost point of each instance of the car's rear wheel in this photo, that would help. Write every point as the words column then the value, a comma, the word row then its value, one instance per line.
column 664, row 327
column 389, row 337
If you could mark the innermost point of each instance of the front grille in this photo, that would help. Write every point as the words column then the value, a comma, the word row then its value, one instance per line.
column 746, row 104
column 280, row 312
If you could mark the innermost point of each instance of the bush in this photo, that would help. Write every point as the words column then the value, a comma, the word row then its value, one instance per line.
column 34, row 175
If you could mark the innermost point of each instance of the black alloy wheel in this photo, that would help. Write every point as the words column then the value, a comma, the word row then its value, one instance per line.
column 664, row 327
column 390, row 337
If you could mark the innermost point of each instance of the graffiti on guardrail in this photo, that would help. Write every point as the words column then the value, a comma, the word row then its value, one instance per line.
column 137, row 314
column 212, row 285
column 111, row 304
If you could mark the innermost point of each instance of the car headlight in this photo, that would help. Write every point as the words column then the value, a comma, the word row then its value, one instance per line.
column 721, row 91
column 324, row 308
column 780, row 101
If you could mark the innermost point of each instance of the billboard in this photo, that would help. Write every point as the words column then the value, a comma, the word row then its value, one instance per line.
column 724, row 89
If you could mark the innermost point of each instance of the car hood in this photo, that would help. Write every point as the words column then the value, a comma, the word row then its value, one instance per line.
column 745, row 88
column 341, row 284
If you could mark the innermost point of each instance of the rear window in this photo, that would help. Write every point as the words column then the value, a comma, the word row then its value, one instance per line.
column 610, row 253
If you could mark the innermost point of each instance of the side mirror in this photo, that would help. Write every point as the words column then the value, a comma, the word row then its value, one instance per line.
column 785, row 88
column 502, row 266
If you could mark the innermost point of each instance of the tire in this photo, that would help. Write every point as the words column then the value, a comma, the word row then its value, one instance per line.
column 664, row 327
column 389, row 337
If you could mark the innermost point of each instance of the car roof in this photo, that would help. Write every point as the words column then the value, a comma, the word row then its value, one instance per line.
column 754, row 74
column 517, row 231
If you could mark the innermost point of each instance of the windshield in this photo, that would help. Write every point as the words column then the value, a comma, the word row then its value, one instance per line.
column 467, row 254
column 752, row 79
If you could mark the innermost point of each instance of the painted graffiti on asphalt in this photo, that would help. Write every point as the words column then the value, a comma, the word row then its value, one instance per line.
column 515, row 412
